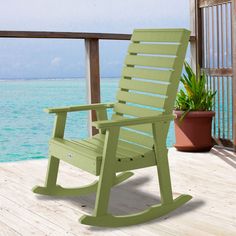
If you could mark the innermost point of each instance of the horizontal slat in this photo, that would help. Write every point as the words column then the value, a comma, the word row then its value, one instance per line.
column 160, row 62
column 131, row 146
column 140, row 99
column 67, row 144
column 146, row 161
column 121, row 152
column 146, row 128
column 124, row 145
column 99, row 139
column 218, row 71
column 208, row 3
column 157, row 35
column 147, row 87
column 162, row 49
column 134, row 110
column 67, row 35
column 79, row 157
column 99, row 145
column 142, row 73
column 137, row 138
column 62, row 35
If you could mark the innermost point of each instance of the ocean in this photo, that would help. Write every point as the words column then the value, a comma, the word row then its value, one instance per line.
column 25, row 129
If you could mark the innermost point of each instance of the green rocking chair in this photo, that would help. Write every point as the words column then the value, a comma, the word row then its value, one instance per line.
column 135, row 137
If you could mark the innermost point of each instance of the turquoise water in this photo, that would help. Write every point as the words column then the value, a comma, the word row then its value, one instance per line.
column 25, row 129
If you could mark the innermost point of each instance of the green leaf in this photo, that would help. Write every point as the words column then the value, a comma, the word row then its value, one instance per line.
column 194, row 96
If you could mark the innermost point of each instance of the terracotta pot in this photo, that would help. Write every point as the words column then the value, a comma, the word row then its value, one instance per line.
column 193, row 133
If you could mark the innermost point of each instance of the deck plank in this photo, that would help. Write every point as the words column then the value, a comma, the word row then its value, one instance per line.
column 8, row 231
column 208, row 177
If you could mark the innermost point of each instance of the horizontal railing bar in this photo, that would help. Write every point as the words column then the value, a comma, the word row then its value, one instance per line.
column 66, row 35
column 62, row 35
column 218, row 71
column 209, row 3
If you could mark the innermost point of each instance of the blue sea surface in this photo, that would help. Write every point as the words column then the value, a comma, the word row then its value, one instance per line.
column 25, row 129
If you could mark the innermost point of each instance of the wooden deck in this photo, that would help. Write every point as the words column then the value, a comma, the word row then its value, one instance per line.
column 209, row 177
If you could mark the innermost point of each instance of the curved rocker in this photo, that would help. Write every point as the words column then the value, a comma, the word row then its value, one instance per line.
column 151, row 213
column 87, row 189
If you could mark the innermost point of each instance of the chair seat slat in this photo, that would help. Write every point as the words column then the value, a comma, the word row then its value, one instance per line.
column 123, row 144
column 121, row 150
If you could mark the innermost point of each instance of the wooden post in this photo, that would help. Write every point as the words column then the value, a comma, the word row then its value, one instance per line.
column 196, row 29
column 93, row 78
column 234, row 69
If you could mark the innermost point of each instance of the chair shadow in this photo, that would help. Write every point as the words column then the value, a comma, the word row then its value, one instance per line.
column 227, row 156
column 126, row 199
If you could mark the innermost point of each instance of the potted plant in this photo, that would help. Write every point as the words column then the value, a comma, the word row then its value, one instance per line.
column 194, row 113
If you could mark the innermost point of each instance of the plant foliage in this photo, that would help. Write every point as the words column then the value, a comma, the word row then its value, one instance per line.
column 195, row 96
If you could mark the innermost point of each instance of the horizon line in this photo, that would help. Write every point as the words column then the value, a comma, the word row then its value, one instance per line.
column 52, row 77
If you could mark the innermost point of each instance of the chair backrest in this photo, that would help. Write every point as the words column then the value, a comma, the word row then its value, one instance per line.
column 150, row 79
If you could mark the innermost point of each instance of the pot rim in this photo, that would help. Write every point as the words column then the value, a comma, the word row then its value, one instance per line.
column 179, row 113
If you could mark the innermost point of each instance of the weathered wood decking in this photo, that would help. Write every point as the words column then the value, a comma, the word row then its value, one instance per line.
column 209, row 177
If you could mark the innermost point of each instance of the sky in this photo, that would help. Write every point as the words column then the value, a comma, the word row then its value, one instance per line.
column 50, row 58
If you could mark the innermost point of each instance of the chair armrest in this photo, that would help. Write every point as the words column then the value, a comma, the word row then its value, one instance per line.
column 132, row 121
column 95, row 106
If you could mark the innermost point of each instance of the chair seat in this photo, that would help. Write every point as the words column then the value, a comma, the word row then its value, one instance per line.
column 87, row 154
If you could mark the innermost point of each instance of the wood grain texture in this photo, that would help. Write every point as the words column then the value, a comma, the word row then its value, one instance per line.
column 211, row 211
column 65, row 35
column 62, row 35
column 93, row 78
column 218, row 72
column 196, row 29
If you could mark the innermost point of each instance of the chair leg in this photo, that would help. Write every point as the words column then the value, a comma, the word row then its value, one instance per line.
column 53, row 162
column 103, row 195
column 106, row 177
column 161, row 154
column 52, row 172
column 108, row 173
column 164, row 176
column 51, row 177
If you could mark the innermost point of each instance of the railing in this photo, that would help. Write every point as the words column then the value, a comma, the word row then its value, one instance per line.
column 214, row 24
column 92, row 57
